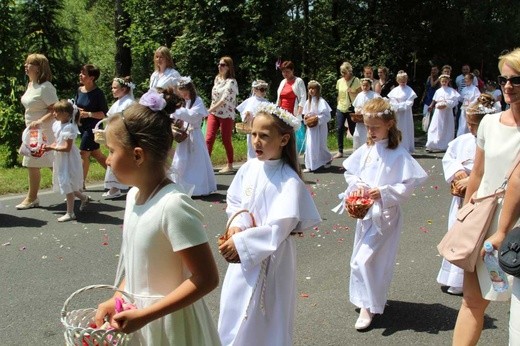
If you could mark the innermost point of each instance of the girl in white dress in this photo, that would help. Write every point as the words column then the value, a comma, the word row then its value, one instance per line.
column 468, row 96
column 442, row 125
column 258, row 300
column 366, row 94
column 165, row 255
column 165, row 75
column 191, row 163
column 67, row 170
column 457, row 164
column 384, row 171
column 248, row 107
column 122, row 90
column 317, row 153
column 401, row 98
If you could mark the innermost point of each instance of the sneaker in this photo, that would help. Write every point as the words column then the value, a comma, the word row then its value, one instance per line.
column 113, row 195
column 28, row 205
column 67, row 217
column 338, row 155
column 84, row 203
column 454, row 290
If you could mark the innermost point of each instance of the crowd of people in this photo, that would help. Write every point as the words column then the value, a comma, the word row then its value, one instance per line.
column 169, row 268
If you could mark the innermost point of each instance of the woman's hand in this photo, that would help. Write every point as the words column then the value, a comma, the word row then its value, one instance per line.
column 35, row 124
column 496, row 240
column 460, row 175
column 229, row 251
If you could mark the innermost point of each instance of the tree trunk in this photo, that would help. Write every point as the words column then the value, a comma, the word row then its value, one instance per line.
column 123, row 58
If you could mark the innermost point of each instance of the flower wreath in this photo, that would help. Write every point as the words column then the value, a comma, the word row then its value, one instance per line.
column 378, row 114
column 122, row 82
column 287, row 117
column 184, row 81
column 481, row 110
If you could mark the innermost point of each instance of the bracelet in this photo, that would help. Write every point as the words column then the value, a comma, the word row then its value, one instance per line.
column 90, row 114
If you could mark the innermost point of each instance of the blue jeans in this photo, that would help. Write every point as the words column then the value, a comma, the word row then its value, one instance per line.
column 340, row 127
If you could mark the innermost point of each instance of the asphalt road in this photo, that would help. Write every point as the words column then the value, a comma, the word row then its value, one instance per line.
column 42, row 262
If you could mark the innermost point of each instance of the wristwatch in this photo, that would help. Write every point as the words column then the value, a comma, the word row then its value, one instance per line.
column 90, row 114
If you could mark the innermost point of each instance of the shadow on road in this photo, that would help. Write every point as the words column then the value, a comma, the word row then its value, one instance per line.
column 419, row 317
column 15, row 221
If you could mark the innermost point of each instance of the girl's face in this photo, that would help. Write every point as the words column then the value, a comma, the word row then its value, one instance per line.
column 62, row 117
column 120, row 158
column 160, row 61
column 511, row 93
column 446, row 71
column 287, row 73
column 472, row 121
column 377, row 128
column 266, row 139
column 312, row 91
column 184, row 93
column 365, row 86
column 381, row 74
column 468, row 80
column 260, row 92
column 445, row 82
column 402, row 81
column 117, row 90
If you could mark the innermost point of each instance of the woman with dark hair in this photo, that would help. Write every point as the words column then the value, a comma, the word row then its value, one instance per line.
column 385, row 84
column 93, row 107
column 165, row 75
column 222, row 110
column 38, row 100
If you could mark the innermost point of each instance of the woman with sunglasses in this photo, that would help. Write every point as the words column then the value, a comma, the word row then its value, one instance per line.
column 248, row 107
column 222, row 110
column 498, row 140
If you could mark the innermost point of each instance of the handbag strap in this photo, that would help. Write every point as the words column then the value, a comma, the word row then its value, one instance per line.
column 510, row 172
column 350, row 86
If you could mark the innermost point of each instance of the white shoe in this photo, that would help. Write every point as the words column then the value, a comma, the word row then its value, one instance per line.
column 113, row 195
column 28, row 205
column 364, row 320
column 67, row 217
column 84, row 203
column 454, row 290
column 306, row 170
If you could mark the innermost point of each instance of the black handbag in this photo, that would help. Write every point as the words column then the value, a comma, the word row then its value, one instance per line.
column 509, row 253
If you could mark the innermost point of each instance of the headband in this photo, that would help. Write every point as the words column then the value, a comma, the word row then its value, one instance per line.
column 257, row 84
column 285, row 116
column 315, row 82
column 122, row 82
column 444, row 76
column 184, row 81
column 366, row 80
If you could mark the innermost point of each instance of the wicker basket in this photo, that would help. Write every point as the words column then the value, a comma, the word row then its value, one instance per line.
column 243, row 127
column 224, row 237
column 358, row 207
column 456, row 191
column 311, row 120
column 356, row 117
column 78, row 324
column 99, row 134
column 179, row 130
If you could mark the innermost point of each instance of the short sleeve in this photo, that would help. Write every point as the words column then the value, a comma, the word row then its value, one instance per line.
column 182, row 222
column 49, row 95
column 481, row 132
column 70, row 131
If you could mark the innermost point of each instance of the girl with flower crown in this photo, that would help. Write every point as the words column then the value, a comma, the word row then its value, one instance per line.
column 248, row 107
column 402, row 98
column 316, row 154
column 381, row 170
column 258, row 299
column 457, row 164
column 191, row 163
column 122, row 90
column 468, row 95
column 360, row 133
column 442, row 125
column 165, row 256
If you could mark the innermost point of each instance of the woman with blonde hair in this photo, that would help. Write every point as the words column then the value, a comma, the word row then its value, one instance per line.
column 38, row 101
column 165, row 75
column 498, row 140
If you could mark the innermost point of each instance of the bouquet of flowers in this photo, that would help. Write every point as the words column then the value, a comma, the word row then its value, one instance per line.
column 357, row 206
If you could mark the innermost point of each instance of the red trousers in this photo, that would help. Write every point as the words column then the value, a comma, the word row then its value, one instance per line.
column 226, row 130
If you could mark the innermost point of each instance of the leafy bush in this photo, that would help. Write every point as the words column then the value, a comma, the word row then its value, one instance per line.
column 11, row 128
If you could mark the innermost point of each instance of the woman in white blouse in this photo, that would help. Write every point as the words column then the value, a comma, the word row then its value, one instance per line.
column 164, row 75
column 222, row 110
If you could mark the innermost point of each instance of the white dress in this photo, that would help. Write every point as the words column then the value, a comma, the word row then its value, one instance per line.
column 501, row 145
column 169, row 78
column 67, row 170
column 458, row 157
column 376, row 241
column 250, row 105
column 401, row 97
column 468, row 96
column 317, row 153
column 263, row 286
column 360, row 133
column 191, row 163
column 442, row 125
column 153, row 233
column 118, row 106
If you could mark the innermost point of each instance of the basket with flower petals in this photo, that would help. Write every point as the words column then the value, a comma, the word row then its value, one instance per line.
column 358, row 206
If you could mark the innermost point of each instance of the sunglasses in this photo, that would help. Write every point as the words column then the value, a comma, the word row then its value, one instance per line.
column 515, row 80
column 222, row 65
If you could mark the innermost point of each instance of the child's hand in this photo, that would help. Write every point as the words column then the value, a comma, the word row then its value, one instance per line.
column 49, row 147
column 374, row 193
column 229, row 251
column 460, row 175
column 129, row 321
column 360, row 192
column 105, row 309
column 233, row 230
column 462, row 184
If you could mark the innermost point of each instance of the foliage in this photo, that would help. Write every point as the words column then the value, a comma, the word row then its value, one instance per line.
column 11, row 128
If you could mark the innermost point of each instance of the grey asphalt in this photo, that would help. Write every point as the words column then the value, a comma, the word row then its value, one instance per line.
column 42, row 262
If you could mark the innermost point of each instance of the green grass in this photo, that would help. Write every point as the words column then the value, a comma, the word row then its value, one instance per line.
column 14, row 180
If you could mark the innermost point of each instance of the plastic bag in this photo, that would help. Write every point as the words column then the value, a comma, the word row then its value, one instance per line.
column 33, row 143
